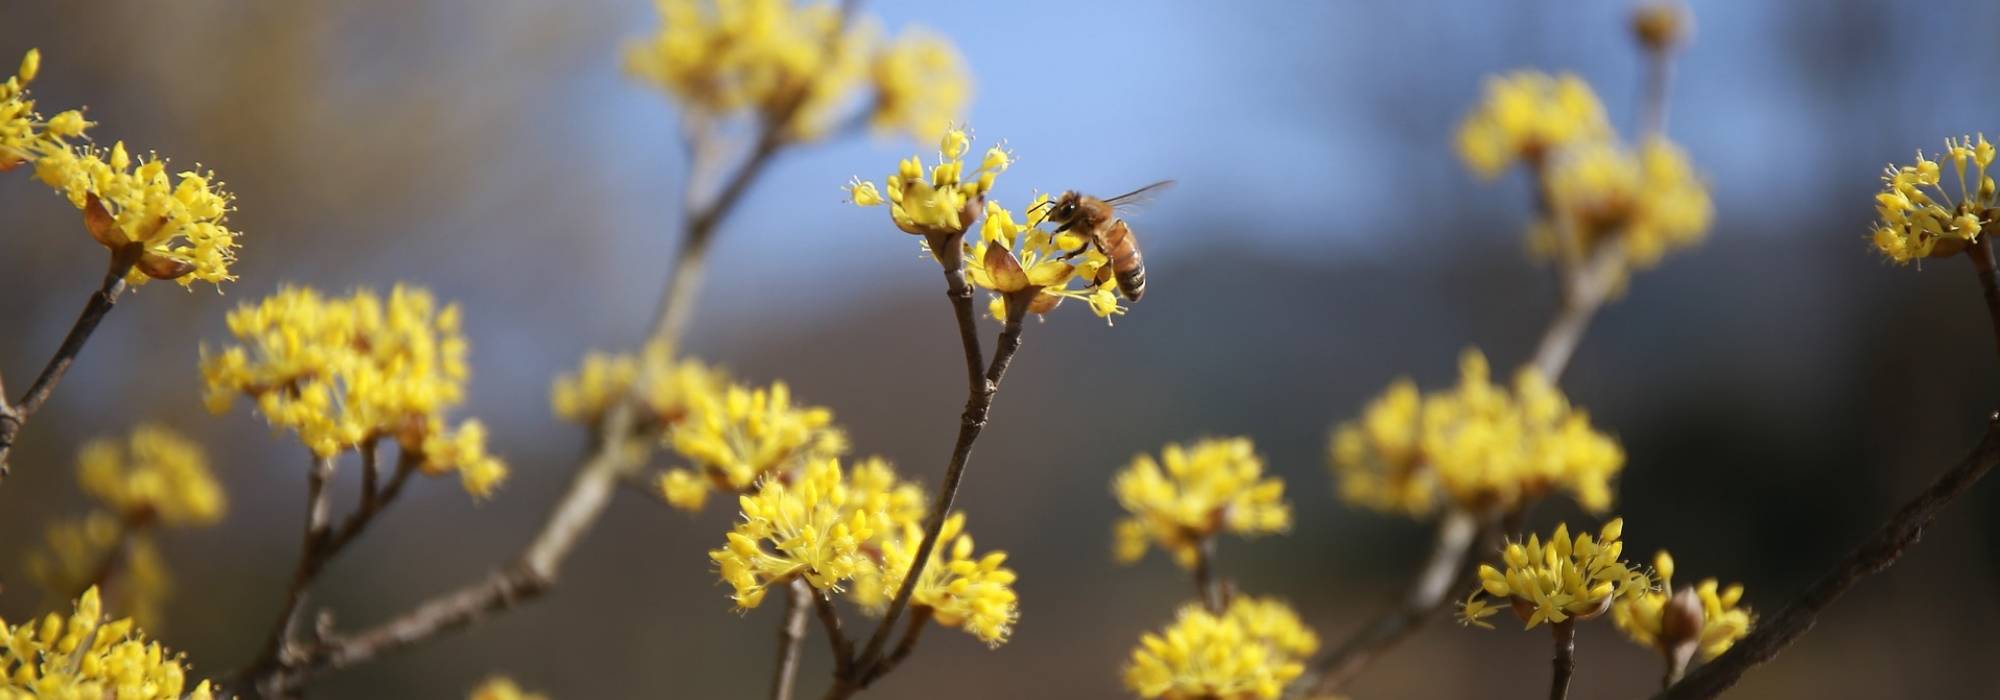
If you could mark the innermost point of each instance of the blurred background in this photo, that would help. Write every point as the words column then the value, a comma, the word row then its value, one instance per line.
column 1779, row 389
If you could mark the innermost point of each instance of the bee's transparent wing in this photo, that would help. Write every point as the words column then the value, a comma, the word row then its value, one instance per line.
column 1130, row 200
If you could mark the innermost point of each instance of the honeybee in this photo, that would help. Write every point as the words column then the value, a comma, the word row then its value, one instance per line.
column 1097, row 219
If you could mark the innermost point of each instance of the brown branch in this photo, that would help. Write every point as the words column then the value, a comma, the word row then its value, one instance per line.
column 265, row 676
column 836, row 635
column 1452, row 557
column 107, row 564
column 1205, row 584
column 1564, row 661
column 1981, row 253
column 978, row 404
column 14, row 416
column 791, row 640
column 1877, row 553
column 1588, row 287
column 913, row 629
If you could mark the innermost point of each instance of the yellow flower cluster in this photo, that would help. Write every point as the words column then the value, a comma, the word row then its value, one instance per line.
column 154, row 475
column 1252, row 650
column 343, row 371
column 810, row 526
column 1480, row 447
column 1651, row 619
column 1526, row 116
column 24, row 135
column 1563, row 579
column 77, row 552
column 1212, row 486
column 83, row 657
column 173, row 225
column 943, row 201
column 771, row 56
column 735, row 436
column 975, row 593
column 1022, row 263
column 1920, row 218
column 503, row 688
column 605, row 379
column 1651, row 201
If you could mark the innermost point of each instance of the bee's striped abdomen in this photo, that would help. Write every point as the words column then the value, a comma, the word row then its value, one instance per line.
column 1123, row 249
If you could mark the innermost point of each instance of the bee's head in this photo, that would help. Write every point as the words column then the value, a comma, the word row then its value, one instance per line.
column 1062, row 209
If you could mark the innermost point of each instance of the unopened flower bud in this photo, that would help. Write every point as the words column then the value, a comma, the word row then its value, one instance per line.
column 1661, row 25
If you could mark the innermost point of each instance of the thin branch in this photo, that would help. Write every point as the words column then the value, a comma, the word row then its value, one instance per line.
column 1877, row 553
column 1564, row 662
column 913, row 629
column 107, row 564
column 1452, row 556
column 1205, row 583
column 836, row 635
column 312, row 559
column 971, row 422
column 372, row 501
column 791, row 640
column 1653, row 109
column 1982, row 263
column 16, row 415
column 1589, row 286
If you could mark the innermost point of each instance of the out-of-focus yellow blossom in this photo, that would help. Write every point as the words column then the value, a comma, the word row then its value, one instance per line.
column 902, row 505
column 1525, row 117
column 811, row 526
column 960, row 590
column 343, row 371
column 1564, row 579
column 83, row 657
column 1651, row 618
column 24, row 135
column 1252, row 650
column 79, row 552
column 502, row 688
column 767, row 56
column 1212, row 486
column 1920, row 218
column 737, row 436
column 942, row 202
column 1651, row 202
column 921, row 85
column 155, row 475
column 173, row 225
column 1479, row 446
column 1031, row 266
column 604, row 379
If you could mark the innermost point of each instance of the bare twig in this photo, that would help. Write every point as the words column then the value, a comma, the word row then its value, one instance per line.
column 1589, row 286
column 913, row 629
column 836, row 635
column 1564, row 661
column 1877, row 553
column 1205, row 583
column 978, row 403
column 14, row 416
column 312, row 558
column 107, row 564
column 791, row 639
column 1451, row 556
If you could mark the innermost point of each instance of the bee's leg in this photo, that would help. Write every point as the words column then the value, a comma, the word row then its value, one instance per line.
column 1087, row 243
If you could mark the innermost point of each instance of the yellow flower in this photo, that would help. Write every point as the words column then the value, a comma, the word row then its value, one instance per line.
column 1480, row 447
column 1526, row 116
column 921, row 85
column 1035, row 267
column 339, row 372
column 1650, row 201
column 1250, row 651
column 940, row 202
column 174, row 225
column 737, row 436
column 1653, row 619
column 1919, row 218
column 1212, row 486
column 156, row 475
column 81, row 656
column 958, row 589
column 810, row 526
column 604, row 379
column 502, row 688
column 78, row 552
column 1563, row 579
column 24, row 136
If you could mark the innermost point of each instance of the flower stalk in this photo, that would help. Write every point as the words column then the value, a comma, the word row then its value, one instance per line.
column 1564, row 662
column 15, row 416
